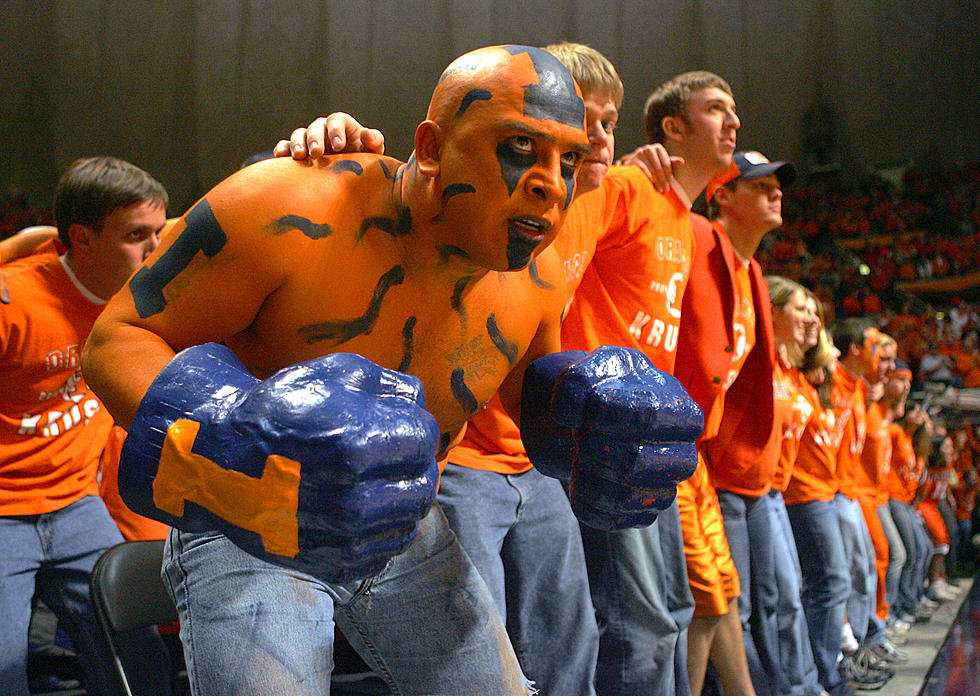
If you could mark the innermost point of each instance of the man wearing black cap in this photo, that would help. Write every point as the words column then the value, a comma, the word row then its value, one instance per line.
column 747, row 199
column 725, row 358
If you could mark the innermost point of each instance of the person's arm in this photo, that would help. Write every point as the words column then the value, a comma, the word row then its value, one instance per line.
column 325, row 466
column 19, row 245
column 340, row 130
column 654, row 161
column 204, row 283
column 24, row 243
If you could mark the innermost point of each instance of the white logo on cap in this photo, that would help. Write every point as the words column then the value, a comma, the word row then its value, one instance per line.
column 756, row 158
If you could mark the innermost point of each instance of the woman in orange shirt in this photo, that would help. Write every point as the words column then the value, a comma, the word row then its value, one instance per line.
column 933, row 491
column 809, row 498
column 796, row 326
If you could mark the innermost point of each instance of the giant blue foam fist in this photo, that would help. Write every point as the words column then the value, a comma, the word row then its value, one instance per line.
column 613, row 427
column 326, row 467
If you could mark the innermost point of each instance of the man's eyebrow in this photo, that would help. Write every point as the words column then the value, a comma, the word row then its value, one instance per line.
column 723, row 102
column 528, row 130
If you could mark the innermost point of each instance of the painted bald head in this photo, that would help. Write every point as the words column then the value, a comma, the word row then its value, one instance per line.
column 521, row 102
column 530, row 78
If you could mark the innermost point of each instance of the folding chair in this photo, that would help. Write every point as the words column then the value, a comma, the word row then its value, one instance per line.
column 128, row 593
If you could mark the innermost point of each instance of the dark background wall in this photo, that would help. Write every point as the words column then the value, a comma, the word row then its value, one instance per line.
column 188, row 89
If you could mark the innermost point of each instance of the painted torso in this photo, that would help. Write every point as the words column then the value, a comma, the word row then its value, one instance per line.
column 323, row 262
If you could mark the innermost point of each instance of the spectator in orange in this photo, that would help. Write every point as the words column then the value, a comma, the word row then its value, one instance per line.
column 934, row 491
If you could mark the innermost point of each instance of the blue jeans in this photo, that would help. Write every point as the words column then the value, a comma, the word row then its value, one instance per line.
column 918, row 552
column 897, row 554
column 826, row 583
column 426, row 623
column 795, row 652
column 750, row 539
column 521, row 535
column 53, row 554
column 860, row 556
column 644, row 606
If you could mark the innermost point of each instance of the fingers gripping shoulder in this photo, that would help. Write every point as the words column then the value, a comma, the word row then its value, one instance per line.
column 619, row 431
column 326, row 466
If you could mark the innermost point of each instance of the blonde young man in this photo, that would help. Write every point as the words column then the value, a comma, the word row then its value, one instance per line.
column 629, row 292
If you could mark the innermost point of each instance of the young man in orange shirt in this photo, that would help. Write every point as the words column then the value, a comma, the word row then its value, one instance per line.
column 53, row 525
column 860, row 347
column 902, row 482
column 628, row 251
column 726, row 359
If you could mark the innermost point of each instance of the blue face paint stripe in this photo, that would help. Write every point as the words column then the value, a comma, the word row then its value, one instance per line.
column 462, row 393
column 513, row 165
column 338, row 331
column 408, row 344
column 472, row 96
column 508, row 348
column 449, row 192
column 536, row 278
column 519, row 252
column 554, row 97
column 569, row 180
column 202, row 233
column 309, row 228
column 455, row 190
column 387, row 172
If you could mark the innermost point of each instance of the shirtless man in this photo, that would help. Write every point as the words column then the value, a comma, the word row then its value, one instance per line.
column 321, row 478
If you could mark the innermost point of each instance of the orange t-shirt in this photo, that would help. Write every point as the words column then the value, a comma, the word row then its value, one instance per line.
column 52, row 428
column 627, row 253
column 814, row 475
column 132, row 525
column 906, row 469
column 870, row 476
column 743, row 320
column 848, row 397
column 789, row 383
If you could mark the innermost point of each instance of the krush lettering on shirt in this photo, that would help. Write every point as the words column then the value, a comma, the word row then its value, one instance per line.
column 77, row 407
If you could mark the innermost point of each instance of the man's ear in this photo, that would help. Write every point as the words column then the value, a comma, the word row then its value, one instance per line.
column 80, row 235
column 723, row 195
column 673, row 127
column 428, row 145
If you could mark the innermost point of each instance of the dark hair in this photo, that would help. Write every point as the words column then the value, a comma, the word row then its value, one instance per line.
column 670, row 99
column 850, row 331
column 93, row 187
column 935, row 452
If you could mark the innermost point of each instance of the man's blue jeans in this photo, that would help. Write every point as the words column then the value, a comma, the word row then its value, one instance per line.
column 795, row 652
column 521, row 535
column 644, row 606
column 826, row 583
column 860, row 554
column 749, row 535
column 426, row 623
column 898, row 556
column 53, row 554
column 918, row 551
